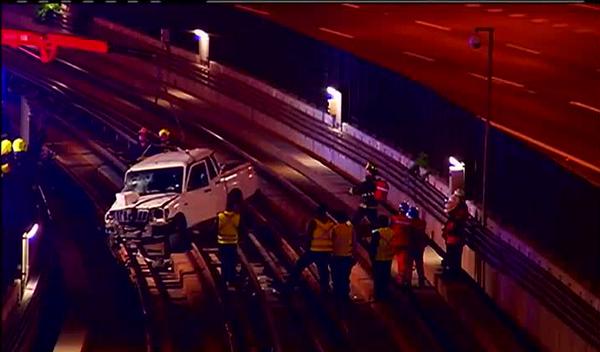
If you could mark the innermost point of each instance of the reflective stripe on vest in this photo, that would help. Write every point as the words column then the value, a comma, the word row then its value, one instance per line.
column 342, row 239
column 381, row 190
column 385, row 250
column 321, row 237
column 229, row 223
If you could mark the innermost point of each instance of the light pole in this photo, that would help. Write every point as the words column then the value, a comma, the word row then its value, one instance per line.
column 25, row 256
column 475, row 43
column 203, row 43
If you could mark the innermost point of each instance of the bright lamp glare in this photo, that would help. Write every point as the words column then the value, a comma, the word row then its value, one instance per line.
column 200, row 34
column 34, row 229
column 331, row 90
column 455, row 164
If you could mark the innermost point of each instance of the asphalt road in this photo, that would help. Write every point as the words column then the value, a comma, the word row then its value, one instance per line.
column 546, row 62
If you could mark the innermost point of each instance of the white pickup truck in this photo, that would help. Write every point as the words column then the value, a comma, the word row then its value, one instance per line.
column 174, row 191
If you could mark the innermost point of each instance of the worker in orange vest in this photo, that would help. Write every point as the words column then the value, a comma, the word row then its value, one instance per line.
column 399, row 224
column 454, row 234
column 342, row 260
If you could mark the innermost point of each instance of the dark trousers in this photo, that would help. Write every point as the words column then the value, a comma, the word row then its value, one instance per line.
column 416, row 256
column 321, row 259
column 453, row 257
column 228, row 256
column 340, row 272
column 381, row 277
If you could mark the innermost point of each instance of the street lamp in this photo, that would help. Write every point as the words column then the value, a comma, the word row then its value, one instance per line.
column 25, row 255
column 475, row 43
column 203, row 42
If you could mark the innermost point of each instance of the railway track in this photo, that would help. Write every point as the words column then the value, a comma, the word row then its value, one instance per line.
column 120, row 144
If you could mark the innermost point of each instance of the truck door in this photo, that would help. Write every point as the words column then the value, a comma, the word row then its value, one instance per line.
column 220, row 191
column 199, row 202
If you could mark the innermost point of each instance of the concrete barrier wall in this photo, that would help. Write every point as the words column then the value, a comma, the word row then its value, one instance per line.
column 551, row 332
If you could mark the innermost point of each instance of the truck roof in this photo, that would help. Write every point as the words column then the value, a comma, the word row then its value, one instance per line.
column 172, row 159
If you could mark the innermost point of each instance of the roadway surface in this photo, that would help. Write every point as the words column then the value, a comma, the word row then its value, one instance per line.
column 546, row 67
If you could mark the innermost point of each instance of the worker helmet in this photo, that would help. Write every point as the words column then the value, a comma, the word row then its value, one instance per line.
column 370, row 167
column 6, row 147
column 19, row 145
column 452, row 203
column 143, row 131
column 413, row 213
column 164, row 133
column 5, row 168
column 459, row 192
column 404, row 207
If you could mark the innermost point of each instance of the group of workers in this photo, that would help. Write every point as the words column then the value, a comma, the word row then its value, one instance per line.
column 331, row 245
column 149, row 144
column 13, row 154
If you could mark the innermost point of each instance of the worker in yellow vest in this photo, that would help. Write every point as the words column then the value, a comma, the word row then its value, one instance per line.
column 382, row 253
column 342, row 260
column 319, row 230
column 228, row 234
column 6, row 156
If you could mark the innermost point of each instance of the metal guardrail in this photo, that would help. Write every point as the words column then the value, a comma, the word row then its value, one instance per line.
column 581, row 315
column 519, row 267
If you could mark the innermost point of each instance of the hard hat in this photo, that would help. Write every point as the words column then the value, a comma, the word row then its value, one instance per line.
column 404, row 207
column 143, row 130
column 6, row 147
column 459, row 192
column 452, row 203
column 5, row 168
column 19, row 145
column 413, row 213
column 164, row 133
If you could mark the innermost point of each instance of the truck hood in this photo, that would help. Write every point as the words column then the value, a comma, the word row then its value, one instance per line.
column 149, row 201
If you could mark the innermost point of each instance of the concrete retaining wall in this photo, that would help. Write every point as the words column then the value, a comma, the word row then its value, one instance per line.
column 551, row 332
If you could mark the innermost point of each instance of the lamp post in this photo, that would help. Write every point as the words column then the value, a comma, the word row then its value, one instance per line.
column 475, row 43
column 203, row 45
column 25, row 256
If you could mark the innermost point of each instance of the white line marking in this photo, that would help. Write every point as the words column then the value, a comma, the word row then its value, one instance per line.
column 527, row 50
column 585, row 6
column 499, row 80
column 495, row 10
column 546, row 146
column 539, row 20
column 433, row 25
column 517, row 15
column 585, row 106
column 250, row 9
column 426, row 58
column 560, row 25
column 531, row 91
column 584, row 30
column 336, row 32
column 473, row 5
column 353, row 6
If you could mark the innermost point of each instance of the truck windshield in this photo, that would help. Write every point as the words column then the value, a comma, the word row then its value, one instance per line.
column 154, row 181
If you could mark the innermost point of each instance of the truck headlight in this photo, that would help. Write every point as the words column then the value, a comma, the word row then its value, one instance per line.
column 158, row 213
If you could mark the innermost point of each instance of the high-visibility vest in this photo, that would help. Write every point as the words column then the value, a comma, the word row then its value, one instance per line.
column 229, row 224
column 321, row 237
column 400, row 225
column 381, row 190
column 342, row 239
column 385, row 250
